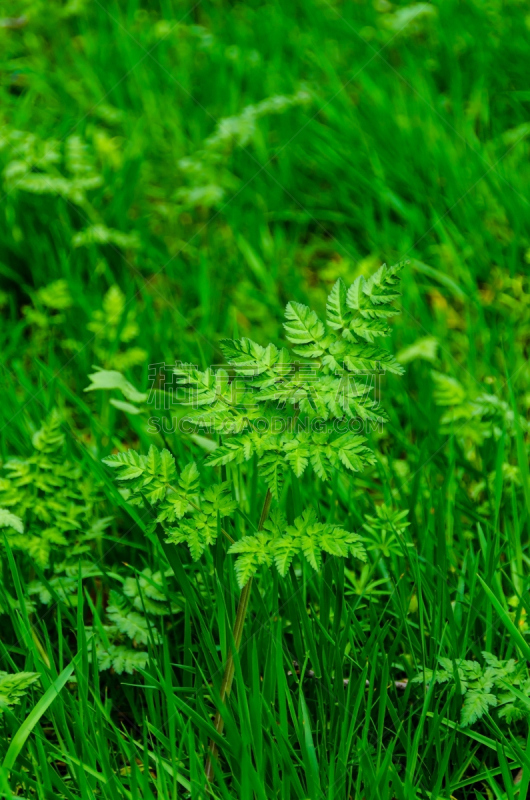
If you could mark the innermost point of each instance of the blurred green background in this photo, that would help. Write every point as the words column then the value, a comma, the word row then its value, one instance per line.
column 172, row 173
column 215, row 160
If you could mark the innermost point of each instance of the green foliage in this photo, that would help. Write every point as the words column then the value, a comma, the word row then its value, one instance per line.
column 119, row 657
column 64, row 581
column 111, row 379
column 263, row 383
column 14, row 686
column 485, row 687
column 47, row 167
column 9, row 520
column 129, row 626
column 146, row 592
column 210, row 211
column 325, row 392
column 281, row 543
column 47, row 504
column 424, row 349
column 205, row 174
column 177, row 498
column 113, row 326
column 384, row 532
column 153, row 479
column 129, row 622
column 473, row 416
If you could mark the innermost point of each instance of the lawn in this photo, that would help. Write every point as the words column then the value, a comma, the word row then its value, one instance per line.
column 191, row 605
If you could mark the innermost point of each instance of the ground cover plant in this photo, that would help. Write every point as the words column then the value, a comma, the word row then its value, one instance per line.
column 232, row 565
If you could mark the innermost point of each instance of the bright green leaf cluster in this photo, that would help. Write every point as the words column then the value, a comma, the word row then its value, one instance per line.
column 47, row 504
column 473, row 416
column 14, row 687
column 128, row 621
column 281, row 543
column 485, row 687
column 114, row 325
column 251, row 407
column 120, row 644
column 177, row 498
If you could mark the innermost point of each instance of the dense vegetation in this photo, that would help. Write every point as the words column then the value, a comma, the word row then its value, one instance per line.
column 178, row 180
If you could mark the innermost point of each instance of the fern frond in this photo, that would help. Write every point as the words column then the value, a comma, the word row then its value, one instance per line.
column 298, row 452
column 351, row 452
column 339, row 314
column 251, row 359
column 217, row 500
column 201, row 529
column 272, row 468
column 254, row 552
column 154, row 477
column 189, row 479
column 130, row 464
column 305, row 331
column 232, row 450
column 285, row 549
column 145, row 592
column 310, row 538
column 448, row 391
column 321, row 464
column 50, row 438
column 476, row 704
column 338, row 542
column 198, row 534
column 120, row 658
column 361, row 357
column 381, row 287
column 129, row 622
column 14, row 686
column 9, row 520
column 203, row 388
column 275, row 524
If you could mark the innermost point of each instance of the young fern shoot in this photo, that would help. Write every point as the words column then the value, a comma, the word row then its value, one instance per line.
column 291, row 414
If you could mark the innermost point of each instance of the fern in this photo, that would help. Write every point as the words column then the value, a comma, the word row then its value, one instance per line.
column 474, row 417
column 323, row 388
column 153, row 479
column 310, row 399
column 254, row 551
column 47, row 505
column 118, row 657
column 281, row 543
column 265, row 386
column 145, row 592
column 130, row 622
column 306, row 331
column 34, row 165
column 205, row 172
column 111, row 379
column 113, row 327
column 310, row 538
column 14, row 686
column 485, row 687
column 120, row 643
column 9, row 520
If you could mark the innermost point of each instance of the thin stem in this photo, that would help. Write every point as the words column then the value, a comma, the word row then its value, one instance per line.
column 228, row 677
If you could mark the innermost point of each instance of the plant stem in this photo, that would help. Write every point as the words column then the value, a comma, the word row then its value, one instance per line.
column 228, row 677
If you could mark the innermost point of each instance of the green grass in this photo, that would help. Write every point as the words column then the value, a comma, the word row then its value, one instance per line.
column 409, row 142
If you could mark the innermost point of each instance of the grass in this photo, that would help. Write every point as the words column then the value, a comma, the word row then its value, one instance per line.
column 409, row 141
